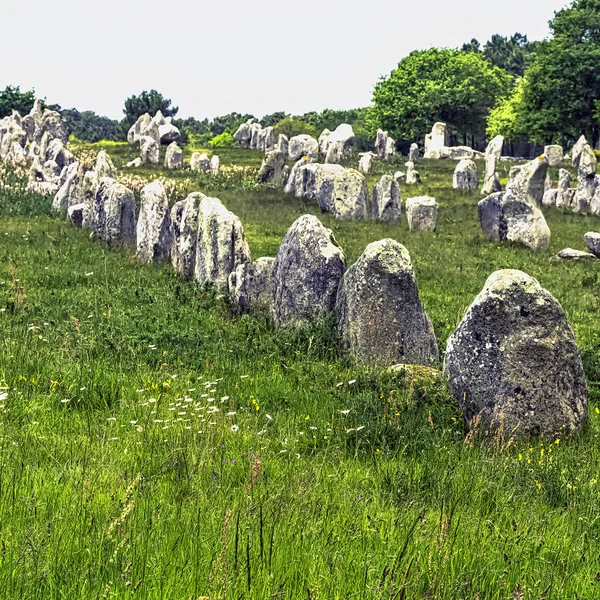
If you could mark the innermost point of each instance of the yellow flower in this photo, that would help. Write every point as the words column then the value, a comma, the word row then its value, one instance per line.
column 520, row 456
column 307, row 418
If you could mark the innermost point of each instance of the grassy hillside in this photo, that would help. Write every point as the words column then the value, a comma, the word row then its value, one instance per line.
column 155, row 446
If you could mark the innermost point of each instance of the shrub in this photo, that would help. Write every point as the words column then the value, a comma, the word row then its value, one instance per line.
column 223, row 140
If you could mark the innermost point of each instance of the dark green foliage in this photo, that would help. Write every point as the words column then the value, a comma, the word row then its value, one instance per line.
column 147, row 102
column 12, row 98
column 291, row 126
column 272, row 119
column 563, row 83
column 513, row 54
column 90, row 127
column 458, row 88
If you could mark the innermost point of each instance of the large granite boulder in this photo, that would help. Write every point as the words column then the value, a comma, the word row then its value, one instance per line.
column 422, row 213
column 184, row 221
column 324, row 141
column 303, row 145
column 465, row 176
column 513, row 364
column 251, row 285
column 493, row 153
column 168, row 133
column 349, row 198
column 528, row 182
column 272, row 168
column 154, row 229
column 173, row 157
column 114, row 212
column 380, row 318
column 135, row 131
column 307, row 272
column 283, row 144
column 386, row 199
column 53, row 124
column 221, row 244
column 149, row 150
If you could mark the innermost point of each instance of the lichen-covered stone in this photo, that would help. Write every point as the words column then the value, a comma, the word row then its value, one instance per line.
column 66, row 193
column 184, row 220
column 221, row 244
column 271, row 170
column 465, row 176
column 571, row 254
column 413, row 153
column 380, row 318
column 528, row 182
column 114, row 212
column 154, row 229
column 307, row 272
column 149, row 150
column 386, row 199
column 492, row 156
column 555, row 154
column 365, row 162
column 251, row 285
column 513, row 364
column 592, row 242
column 75, row 214
column 303, row 145
column 421, row 213
column 173, row 157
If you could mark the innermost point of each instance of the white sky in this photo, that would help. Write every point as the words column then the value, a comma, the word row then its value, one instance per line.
column 250, row 56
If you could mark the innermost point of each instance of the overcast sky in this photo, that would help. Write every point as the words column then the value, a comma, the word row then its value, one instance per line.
column 215, row 57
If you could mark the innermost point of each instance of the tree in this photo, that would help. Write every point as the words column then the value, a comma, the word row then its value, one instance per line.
column 506, row 118
column 513, row 54
column 291, row 126
column 147, row 102
column 12, row 98
column 90, row 127
column 272, row 119
column 563, row 83
column 432, row 85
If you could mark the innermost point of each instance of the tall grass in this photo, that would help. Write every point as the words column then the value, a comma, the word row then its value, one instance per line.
column 155, row 446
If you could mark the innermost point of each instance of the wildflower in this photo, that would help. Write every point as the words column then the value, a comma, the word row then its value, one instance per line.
column 65, row 400
column 231, row 413
column 235, row 428
column 352, row 381
column 345, row 411
column 307, row 418
column 269, row 417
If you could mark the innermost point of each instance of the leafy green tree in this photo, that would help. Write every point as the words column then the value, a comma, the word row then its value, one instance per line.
column 90, row 127
column 272, row 119
column 291, row 126
column 147, row 102
column 228, row 123
column 439, row 84
column 513, row 54
column 12, row 98
column 563, row 83
column 506, row 118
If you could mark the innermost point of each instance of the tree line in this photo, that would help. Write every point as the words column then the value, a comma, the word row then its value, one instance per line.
column 545, row 92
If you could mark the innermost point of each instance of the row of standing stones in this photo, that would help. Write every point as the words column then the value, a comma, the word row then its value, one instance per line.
column 512, row 364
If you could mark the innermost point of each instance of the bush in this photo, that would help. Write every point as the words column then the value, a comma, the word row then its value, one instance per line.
column 223, row 140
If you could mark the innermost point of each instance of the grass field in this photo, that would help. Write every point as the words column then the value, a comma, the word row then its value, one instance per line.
column 155, row 446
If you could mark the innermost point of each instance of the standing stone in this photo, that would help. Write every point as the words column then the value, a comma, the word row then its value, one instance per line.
column 75, row 214
column 421, row 213
column 339, row 143
column 195, row 161
column 59, row 154
column 577, row 148
column 592, row 242
column 549, row 198
column 436, row 141
column 199, row 162
column 465, row 176
column 386, row 199
column 324, row 141
column 174, row 157
column 215, row 164
column 412, row 175
column 350, row 196
column 492, row 156
column 104, row 166
column 271, row 170
column 154, row 230
column 283, row 144
column 269, row 139
column 114, row 212
column 54, row 125
column 380, row 317
column 243, row 134
column 513, row 364
column 221, row 244
column 413, row 153
column 184, row 219
column 528, row 182
column 135, row 131
column 565, row 193
column 586, row 179
column 65, row 194
column 390, row 148
column 307, row 272
column 303, row 145
column 149, row 150
column 365, row 162
column 554, row 154
column 168, row 133
column 380, row 143
column 251, row 285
